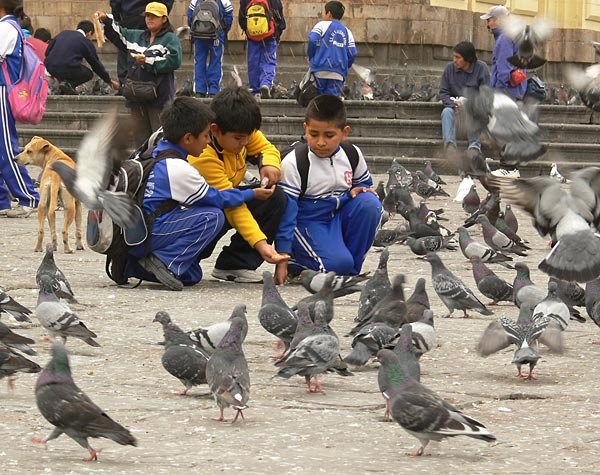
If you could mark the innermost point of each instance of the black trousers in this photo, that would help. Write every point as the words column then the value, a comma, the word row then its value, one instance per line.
column 238, row 254
column 73, row 75
column 136, row 22
column 146, row 119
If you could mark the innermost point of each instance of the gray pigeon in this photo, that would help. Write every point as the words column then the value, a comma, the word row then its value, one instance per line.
column 510, row 219
column 274, row 315
column 471, row 248
column 525, row 291
column 57, row 318
column 568, row 216
column 99, row 153
column 389, row 237
column 423, row 335
column 49, row 268
column 420, row 411
column 210, row 337
column 375, row 289
column 451, row 290
column 368, row 341
column 16, row 341
column 314, row 355
column 313, row 282
column 523, row 334
column 67, row 407
column 592, row 302
column 324, row 295
column 182, row 358
column 11, row 363
column 417, row 303
column 423, row 245
column 552, row 308
column 489, row 284
column 501, row 226
column 8, row 305
column 573, row 295
column 431, row 174
column 471, row 201
column 227, row 371
column 497, row 240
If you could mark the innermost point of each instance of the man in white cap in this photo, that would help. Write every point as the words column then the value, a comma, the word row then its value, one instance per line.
column 502, row 70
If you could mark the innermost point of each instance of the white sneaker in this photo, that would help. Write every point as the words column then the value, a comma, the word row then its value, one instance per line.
column 502, row 172
column 241, row 276
column 4, row 212
column 20, row 211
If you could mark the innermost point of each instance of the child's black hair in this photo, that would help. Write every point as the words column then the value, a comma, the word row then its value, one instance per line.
column 11, row 5
column 43, row 34
column 336, row 9
column 327, row 108
column 184, row 115
column 236, row 110
column 86, row 26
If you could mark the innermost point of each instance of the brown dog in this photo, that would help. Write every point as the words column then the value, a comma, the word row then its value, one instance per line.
column 41, row 153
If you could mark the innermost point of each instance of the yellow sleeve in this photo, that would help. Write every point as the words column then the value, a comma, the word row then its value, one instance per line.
column 258, row 143
column 213, row 170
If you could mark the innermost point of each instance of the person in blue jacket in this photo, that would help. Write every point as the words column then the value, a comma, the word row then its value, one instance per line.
column 331, row 50
column 208, row 53
column 262, row 54
column 170, row 253
column 330, row 225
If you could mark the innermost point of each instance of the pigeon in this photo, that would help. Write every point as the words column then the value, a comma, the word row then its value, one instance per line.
column 424, row 212
column 418, row 228
column 368, row 341
column 99, row 154
column 420, row 411
column 592, row 302
column 493, row 111
column 554, row 173
column 452, row 291
column 182, row 358
column 490, row 206
column 377, row 287
column 313, row 282
column 587, row 84
column 471, row 248
column 526, row 38
column 210, row 337
column 425, row 179
column 497, row 240
column 227, row 370
column 324, row 295
column 380, row 190
column 573, row 295
column 422, row 246
column 417, row 303
column 526, row 293
column 552, row 308
column 423, row 332
column 390, row 310
column 403, row 176
column 8, row 305
column 425, row 190
column 523, row 334
column 566, row 215
column 471, row 201
column 15, row 341
column 314, row 355
column 388, row 237
column 432, row 175
column 510, row 219
column 57, row 318
column 49, row 268
column 490, row 285
column 392, row 181
column 505, row 229
column 274, row 315
column 11, row 363
column 70, row 410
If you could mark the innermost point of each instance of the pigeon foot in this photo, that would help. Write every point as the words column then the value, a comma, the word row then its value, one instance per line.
column 11, row 383
column 238, row 413
column 183, row 392
column 317, row 387
column 596, row 342
column 93, row 455
column 39, row 440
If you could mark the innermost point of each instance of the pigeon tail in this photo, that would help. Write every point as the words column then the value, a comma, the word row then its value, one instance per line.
column 359, row 356
column 575, row 257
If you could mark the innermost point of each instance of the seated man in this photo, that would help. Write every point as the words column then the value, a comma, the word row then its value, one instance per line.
column 66, row 52
column 464, row 72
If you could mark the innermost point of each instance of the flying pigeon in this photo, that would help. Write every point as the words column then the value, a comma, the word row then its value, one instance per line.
column 417, row 303
column 377, row 287
column 68, row 408
column 527, row 38
column 526, row 293
column 227, row 371
column 15, row 341
column 489, row 284
column 99, row 155
column 471, row 248
column 552, row 308
column 57, row 318
column 11, row 362
column 451, row 290
column 210, row 337
column 49, row 268
column 587, row 84
column 420, row 411
column 8, row 305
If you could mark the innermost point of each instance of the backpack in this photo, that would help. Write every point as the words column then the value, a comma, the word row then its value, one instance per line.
column 207, row 23
column 27, row 96
column 307, row 89
column 303, row 163
column 105, row 237
column 260, row 23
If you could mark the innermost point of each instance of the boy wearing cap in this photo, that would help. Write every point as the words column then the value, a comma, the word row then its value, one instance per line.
column 463, row 73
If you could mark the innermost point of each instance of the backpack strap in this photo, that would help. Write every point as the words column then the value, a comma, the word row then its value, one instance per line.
column 351, row 153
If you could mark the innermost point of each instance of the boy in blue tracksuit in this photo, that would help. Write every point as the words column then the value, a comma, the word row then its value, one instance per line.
column 208, row 53
column 262, row 54
column 170, row 253
column 331, row 50
column 332, row 224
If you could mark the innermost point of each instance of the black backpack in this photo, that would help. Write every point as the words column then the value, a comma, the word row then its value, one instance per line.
column 207, row 23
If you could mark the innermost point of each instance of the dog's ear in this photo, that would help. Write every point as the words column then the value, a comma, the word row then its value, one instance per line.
column 46, row 148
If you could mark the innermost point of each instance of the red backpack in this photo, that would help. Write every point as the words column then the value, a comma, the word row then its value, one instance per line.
column 260, row 23
column 27, row 95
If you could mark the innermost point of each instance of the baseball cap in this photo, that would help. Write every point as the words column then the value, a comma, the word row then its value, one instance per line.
column 156, row 9
column 496, row 11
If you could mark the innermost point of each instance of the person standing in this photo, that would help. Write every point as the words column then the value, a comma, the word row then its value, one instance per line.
column 208, row 52
column 12, row 176
column 263, row 23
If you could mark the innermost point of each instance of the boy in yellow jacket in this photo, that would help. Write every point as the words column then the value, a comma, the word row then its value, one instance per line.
column 236, row 139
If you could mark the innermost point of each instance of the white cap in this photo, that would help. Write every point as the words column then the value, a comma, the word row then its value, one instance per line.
column 497, row 11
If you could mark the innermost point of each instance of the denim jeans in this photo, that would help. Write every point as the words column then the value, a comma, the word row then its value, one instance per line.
column 449, row 130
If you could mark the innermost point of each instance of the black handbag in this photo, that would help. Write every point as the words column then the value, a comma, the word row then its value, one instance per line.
column 139, row 91
column 307, row 90
column 536, row 89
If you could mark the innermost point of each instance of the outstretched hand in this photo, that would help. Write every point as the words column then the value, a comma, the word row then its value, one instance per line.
column 263, row 193
column 269, row 254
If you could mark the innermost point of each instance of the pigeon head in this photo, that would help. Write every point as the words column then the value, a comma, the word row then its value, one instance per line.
column 482, row 219
column 391, row 366
column 58, row 369
column 383, row 258
column 462, row 232
column 433, row 259
column 239, row 311
column 49, row 256
column 525, row 315
column 232, row 340
column 398, row 283
column 419, row 294
column 427, row 317
column 522, row 270
column 552, row 288
column 162, row 317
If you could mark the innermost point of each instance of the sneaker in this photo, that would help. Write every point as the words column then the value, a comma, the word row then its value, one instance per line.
column 241, row 276
column 20, row 211
column 3, row 212
column 155, row 266
column 503, row 172
column 265, row 92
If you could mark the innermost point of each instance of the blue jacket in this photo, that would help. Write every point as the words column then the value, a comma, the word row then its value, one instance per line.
column 501, row 68
column 226, row 16
column 10, row 48
column 276, row 8
column 454, row 81
column 331, row 48
column 175, row 179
